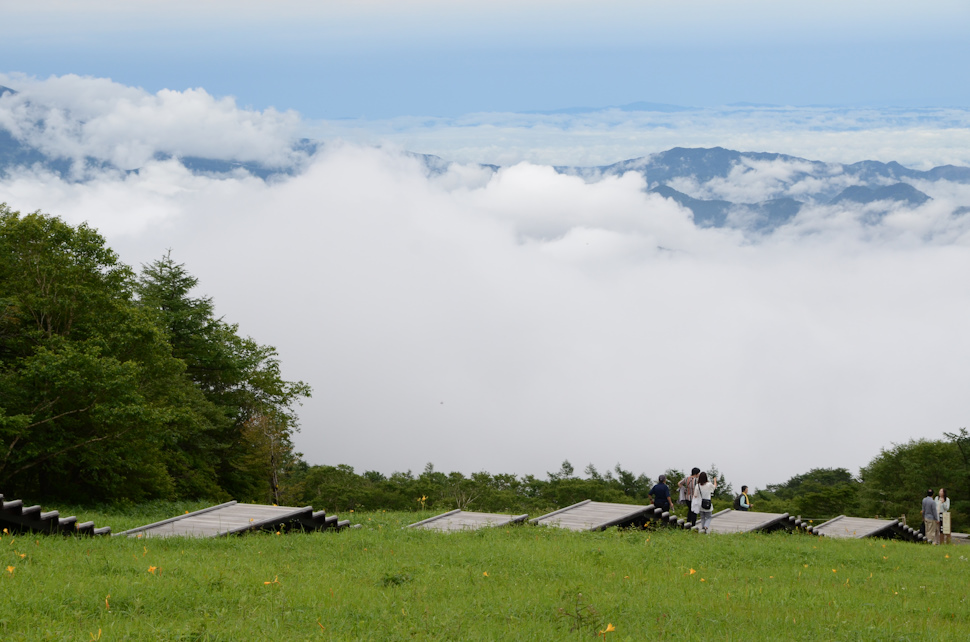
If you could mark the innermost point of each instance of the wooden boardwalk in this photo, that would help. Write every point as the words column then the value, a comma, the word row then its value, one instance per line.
column 233, row 517
column 17, row 517
column 859, row 527
column 463, row 520
column 741, row 521
column 595, row 516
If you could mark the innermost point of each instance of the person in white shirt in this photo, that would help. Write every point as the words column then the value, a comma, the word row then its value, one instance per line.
column 705, row 490
column 943, row 509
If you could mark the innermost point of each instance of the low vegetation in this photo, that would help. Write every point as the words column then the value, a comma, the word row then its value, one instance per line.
column 384, row 582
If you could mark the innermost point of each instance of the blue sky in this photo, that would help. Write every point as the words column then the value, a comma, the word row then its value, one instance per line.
column 429, row 58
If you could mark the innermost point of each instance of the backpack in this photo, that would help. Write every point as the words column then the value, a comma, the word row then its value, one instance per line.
column 737, row 503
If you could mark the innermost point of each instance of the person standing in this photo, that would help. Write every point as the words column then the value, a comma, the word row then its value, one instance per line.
column 943, row 509
column 661, row 494
column 705, row 491
column 743, row 502
column 687, row 485
column 931, row 518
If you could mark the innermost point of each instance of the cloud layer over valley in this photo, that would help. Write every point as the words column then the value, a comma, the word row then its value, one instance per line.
column 505, row 319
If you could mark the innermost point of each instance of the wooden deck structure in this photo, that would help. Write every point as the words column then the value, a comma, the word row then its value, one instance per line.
column 859, row 527
column 741, row 521
column 17, row 517
column 463, row 520
column 588, row 515
column 232, row 517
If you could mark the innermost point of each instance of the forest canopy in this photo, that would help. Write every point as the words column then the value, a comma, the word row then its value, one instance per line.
column 117, row 386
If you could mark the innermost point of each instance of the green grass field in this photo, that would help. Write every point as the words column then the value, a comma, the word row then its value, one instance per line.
column 381, row 582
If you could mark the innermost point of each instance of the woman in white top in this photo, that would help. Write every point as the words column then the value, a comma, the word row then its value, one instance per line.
column 943, row 509
column 705, row 490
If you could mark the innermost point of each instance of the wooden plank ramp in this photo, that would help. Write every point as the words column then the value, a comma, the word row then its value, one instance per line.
column 17, row 517
column 232, row 518
column 463, row 520
column 746, row 521
column 859, row 527
column 588, row 515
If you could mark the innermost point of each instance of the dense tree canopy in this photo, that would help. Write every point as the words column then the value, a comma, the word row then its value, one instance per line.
column 894, row 483
column 119, row 388
column 821, row 492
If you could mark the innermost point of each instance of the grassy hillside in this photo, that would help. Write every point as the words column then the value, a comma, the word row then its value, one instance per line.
column 381, row 582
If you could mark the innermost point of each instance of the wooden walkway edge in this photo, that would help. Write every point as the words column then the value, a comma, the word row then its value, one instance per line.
column 459, row 520
column 233, row 518
column 860, row 527
column 588, row 515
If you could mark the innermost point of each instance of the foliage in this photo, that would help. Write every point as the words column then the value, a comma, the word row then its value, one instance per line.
column 107, row 395
column 821, row 493
column 339, row 488
column 250, row 430
column 87, row 382
column 895, row 482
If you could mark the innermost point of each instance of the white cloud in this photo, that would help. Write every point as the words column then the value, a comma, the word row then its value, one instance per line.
column 74, row 117
column 509, row 323
column 509, row 320
column 915, row 138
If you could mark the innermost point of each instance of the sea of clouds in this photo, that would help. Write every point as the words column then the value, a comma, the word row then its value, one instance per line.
column 506, row 320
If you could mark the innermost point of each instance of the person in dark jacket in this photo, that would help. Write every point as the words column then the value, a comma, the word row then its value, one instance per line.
column 661, row 494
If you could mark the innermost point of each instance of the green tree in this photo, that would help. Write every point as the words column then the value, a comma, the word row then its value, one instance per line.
column 253, row 417
column 820, row 493
column 88, row 386
column 897, row 479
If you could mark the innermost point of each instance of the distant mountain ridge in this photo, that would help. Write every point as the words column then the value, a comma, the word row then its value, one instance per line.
column 702, row 180
column 670, row 172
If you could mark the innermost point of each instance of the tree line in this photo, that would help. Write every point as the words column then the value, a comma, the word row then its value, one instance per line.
column 117, row 386
column 122, row 386
column 890, row 486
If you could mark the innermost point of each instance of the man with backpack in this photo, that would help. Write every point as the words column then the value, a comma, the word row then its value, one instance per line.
column 741, row 502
